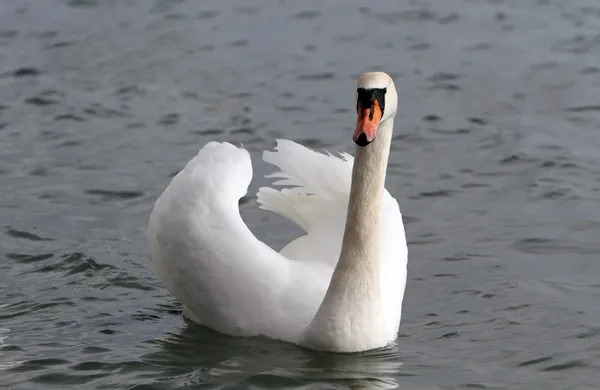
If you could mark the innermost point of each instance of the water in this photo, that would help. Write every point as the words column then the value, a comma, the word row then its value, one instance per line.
column 495, row 164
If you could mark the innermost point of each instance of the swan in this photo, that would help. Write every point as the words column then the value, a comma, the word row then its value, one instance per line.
column 337, row 288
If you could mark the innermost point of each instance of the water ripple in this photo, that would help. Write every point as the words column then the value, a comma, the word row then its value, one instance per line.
column 495, row 138
column 25, row 235
column 109, row 195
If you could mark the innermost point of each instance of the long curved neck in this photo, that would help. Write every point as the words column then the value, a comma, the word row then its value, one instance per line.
column 360, row 246
column 352, row 305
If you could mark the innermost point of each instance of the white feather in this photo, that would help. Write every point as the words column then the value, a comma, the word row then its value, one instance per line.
column 229, row 280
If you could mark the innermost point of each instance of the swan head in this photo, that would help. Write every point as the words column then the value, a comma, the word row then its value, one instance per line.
column 376, row 102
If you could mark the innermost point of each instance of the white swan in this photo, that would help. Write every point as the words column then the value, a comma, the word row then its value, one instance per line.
column 339, row 287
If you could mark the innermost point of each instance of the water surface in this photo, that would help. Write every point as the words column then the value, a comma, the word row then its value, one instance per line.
column 495, row 164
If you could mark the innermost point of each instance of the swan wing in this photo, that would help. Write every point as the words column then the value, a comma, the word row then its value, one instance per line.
column 211, row 262
column 317, row 200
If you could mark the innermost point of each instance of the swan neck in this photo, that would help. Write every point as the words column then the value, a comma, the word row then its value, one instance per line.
column 361, row 234
column 351, row 313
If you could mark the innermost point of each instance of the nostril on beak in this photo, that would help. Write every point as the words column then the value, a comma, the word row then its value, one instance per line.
column 362, row 140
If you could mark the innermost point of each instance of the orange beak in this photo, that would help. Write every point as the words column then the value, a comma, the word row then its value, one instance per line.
column 367, row 124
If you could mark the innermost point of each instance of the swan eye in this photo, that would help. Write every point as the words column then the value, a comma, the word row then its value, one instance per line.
column 366, row 98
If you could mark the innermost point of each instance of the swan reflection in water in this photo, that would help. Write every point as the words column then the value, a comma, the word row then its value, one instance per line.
column 198, row 356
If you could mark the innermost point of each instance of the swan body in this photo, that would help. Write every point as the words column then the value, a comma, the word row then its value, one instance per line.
column 337, row 288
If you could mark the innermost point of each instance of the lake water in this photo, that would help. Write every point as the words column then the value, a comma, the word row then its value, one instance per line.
column 495, row 164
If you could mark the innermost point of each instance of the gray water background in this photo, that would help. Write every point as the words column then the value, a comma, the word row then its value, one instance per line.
column 495, row 163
